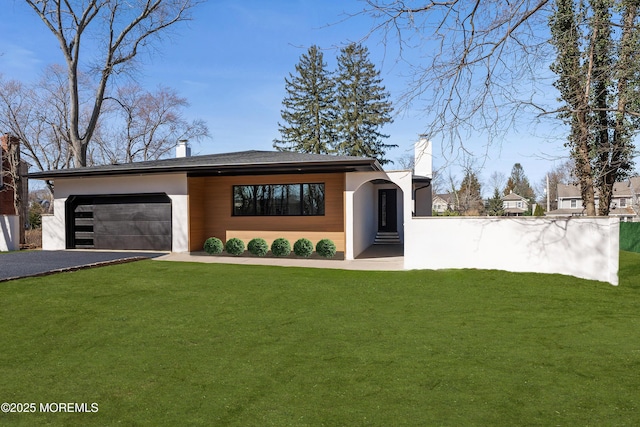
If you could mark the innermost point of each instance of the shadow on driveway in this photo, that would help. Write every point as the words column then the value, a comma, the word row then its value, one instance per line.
column 16, row 265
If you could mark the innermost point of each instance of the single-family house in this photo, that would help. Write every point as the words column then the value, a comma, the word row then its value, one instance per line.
column 443, row 203
column 13, row 193
column 623, row 201
column 514, row 204
column 176, row 204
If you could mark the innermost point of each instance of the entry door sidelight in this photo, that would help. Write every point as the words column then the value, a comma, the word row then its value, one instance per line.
column 387, row 210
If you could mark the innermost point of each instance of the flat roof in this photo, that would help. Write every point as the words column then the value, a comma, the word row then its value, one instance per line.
column 238, row 163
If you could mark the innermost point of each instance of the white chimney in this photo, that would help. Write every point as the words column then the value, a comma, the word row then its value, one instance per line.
column 183, row 149
column 423, row 161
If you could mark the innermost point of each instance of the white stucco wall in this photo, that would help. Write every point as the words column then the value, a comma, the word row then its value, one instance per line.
column 53, row 232
column 361, row 207
column 364, row 209
column 9, row 233
column 584, row 247
column 174, row 185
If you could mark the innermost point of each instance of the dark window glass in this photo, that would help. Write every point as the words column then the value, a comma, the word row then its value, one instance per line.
column 244, row 202
column 278, row 199
column 313, row 199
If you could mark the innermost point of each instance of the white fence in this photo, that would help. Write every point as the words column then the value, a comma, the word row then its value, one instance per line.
column 581, row 247
column 9, row 233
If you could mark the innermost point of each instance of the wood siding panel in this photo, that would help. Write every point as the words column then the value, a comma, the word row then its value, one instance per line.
column 196, row 192
column 212, row 215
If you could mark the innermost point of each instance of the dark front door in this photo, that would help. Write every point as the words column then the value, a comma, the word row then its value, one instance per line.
column 387, row 210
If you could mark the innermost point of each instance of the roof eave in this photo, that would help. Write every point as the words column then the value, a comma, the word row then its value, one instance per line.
column 338, row 165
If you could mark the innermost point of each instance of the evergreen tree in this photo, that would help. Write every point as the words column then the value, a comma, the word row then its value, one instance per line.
column 495, row 205
column 309, row 112
column 539, row 211
column 519, row 183
column 470, row 195
column 363, row 105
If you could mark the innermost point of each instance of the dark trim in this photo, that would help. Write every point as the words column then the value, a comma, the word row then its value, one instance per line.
column 243, row 163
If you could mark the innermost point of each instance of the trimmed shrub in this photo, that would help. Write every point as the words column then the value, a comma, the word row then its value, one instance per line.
column 281, row 247
column 303, row 247
column 258, row 247
column 234, row 246
column 326, row 248
column 213, row 246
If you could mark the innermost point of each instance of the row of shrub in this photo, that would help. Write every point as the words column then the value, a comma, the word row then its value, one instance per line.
column 280, row 247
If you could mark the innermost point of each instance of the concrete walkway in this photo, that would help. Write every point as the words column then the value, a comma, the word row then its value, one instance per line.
column 380, row 257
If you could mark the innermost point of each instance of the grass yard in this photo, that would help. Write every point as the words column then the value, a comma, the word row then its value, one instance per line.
column 160, row 343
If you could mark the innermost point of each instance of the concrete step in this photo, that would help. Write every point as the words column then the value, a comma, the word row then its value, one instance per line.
column 387, row 238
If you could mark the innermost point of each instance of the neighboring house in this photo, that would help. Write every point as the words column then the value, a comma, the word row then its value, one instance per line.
column 514, row 205
column 623, row 201
column 443, row 203
column 176, row 204
column 13, row 187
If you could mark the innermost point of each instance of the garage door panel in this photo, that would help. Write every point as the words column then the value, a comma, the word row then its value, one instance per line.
column 133, row 242
column 132, row 212
column 134, row 228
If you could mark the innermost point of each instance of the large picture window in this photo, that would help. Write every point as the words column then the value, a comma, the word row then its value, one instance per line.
column 278, row 199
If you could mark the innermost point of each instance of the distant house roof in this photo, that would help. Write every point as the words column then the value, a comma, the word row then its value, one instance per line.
column 568, row 191
column 620, row 189
column 238, row 163
column 513, row 197
column 447, row 198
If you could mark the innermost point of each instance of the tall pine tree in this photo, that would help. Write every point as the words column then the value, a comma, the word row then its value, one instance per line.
column 495, row 204
column 363, row 105
column 309, row 112
column 519, row 183
column 470, row 194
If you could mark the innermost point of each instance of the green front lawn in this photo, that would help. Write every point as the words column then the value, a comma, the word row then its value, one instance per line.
column 161, row 343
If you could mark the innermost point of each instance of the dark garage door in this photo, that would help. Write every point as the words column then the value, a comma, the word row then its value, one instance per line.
column 123, row 222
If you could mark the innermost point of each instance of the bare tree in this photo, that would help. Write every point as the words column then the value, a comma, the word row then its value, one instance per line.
column 497, row 181
column 479, row 61
column 438, row 184
column 144, row 126
column 111, row 33
column 38, row 116
column 482, row 73
column 561, row 174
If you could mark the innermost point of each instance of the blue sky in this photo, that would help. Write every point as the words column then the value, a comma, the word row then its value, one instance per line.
column 230, row 63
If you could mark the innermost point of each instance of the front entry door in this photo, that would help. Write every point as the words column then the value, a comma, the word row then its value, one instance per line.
column 387, row 210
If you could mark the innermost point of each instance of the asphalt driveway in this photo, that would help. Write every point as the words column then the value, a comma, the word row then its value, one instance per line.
column 35, row 263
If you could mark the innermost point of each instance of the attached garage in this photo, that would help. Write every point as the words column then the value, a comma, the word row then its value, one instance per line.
column 119, row 222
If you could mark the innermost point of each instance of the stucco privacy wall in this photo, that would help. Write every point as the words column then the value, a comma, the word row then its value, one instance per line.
column 581, row 247
column 174, row 185
column 9, row 233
